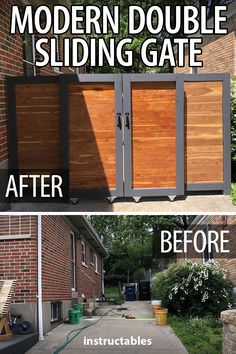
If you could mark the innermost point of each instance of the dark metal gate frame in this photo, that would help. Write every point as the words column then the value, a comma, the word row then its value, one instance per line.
column 123, row 112
column 12, row 81
column 226, row 124
column 181, row 187
column 91, row 78
column 153, row 192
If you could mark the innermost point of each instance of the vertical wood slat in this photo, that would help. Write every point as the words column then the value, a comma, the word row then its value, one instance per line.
column 153, row 134
column 203, row 132
column 92, row 135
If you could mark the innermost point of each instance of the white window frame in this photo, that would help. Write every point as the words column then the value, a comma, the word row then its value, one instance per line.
column 57, row 69
column 96, row 263
column 208, row 253
column 58, row 311
column 34, row 55
column 83, row 253
column 91, row 251
column 234, row 295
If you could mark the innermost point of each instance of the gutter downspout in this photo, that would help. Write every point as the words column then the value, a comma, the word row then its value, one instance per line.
column 40, row 301
column 102, row 271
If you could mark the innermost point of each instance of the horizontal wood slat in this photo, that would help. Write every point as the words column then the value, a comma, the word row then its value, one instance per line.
column 203, row 132
column 92, row 132
column 92, row 159
column 38, row 126
column 153, row 134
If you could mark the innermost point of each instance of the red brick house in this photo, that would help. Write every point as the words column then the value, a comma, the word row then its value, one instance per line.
column 17, row 58
column 217, row 223
column 56, row 260
column 218, row 51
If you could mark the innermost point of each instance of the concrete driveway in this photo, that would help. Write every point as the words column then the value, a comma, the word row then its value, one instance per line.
column 189, row 204
column 113, row 326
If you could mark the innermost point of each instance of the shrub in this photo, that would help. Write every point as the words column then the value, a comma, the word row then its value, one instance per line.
column 193, row 289
column 233, row 193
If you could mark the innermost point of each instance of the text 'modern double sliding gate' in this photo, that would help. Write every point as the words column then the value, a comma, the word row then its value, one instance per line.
column 130, row 135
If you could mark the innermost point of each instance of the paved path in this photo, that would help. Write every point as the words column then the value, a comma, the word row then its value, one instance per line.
column 114, row 326
column 192, row 203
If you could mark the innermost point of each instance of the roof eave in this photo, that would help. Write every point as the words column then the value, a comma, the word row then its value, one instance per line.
column 85, row 229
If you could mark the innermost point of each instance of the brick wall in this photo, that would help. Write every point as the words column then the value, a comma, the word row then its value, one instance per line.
column 47, row 70
column 56, row 258
column 228, row 262
column 218, row 52
column 18, row 257
column 11, row 55
column 88, row 281
column 57, row 263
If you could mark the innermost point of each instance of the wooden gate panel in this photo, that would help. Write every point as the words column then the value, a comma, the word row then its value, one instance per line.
column 38, row 126
column 131, row 135
column 92, row 135
column 153, row 134
column 204, row 132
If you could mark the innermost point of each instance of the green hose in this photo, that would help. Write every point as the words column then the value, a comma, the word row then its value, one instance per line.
column 77, row 332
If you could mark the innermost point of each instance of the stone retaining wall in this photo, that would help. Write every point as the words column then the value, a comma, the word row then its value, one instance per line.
column 229, row 340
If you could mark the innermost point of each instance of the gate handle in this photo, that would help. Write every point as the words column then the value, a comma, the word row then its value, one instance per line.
column 119, row 124
column 127, row 120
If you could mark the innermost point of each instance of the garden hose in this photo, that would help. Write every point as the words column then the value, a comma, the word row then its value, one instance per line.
column 69, row 339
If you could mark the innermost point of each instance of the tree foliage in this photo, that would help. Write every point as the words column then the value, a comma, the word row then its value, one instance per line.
column 138, row 39
column 132, row 242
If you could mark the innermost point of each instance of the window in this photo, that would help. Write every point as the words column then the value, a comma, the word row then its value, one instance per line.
column 55, row 311
column 83, row 253
column 58, row 49
column 29, row 54
column 73, row 262
column 91, row 256
column 96, row 262
column 207, row 256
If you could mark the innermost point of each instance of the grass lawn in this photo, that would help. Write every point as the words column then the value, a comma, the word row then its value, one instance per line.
column 199, row 336
column 112, row 293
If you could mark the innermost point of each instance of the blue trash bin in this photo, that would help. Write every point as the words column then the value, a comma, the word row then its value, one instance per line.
column 130, row 293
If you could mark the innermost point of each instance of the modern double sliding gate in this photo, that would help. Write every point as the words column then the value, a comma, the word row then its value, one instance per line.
column 124, row 135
